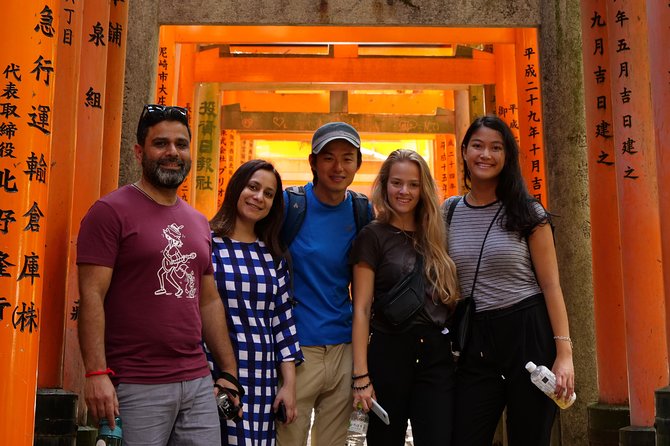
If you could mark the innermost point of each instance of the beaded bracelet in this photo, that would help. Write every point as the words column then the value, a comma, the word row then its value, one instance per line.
column 354, row 377
column 362, row 387
column 564, row 338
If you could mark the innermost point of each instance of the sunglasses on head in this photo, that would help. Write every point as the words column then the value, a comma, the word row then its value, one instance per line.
column 161, row 112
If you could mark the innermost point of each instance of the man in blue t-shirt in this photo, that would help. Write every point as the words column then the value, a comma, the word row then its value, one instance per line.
column 321, row 278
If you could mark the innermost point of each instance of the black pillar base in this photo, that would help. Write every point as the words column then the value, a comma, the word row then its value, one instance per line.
column 637, row 436
column 605, row 420
column 55, row 418
column 663, row 416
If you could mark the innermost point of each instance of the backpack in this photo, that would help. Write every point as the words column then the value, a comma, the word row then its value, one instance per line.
column 297, row 207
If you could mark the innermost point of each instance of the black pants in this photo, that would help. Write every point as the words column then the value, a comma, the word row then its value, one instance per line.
column 492, row 375
column 413, row 377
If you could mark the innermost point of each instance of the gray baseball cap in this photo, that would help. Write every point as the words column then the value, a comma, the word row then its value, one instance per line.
column 332, row 131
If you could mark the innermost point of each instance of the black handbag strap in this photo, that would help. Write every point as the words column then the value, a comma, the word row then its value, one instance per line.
column 481, row 251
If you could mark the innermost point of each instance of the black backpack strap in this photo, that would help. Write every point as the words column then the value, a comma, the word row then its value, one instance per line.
column 296, row 207
column 362, row 209
column 452, row 206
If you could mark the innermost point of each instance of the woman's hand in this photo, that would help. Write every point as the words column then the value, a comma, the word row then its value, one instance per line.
column 363, row 396
column 565, row 376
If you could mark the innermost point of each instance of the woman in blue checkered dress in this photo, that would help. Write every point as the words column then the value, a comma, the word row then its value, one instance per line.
column 253, row 281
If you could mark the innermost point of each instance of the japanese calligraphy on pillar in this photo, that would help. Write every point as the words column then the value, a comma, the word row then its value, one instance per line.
column 629, row 67
column 246, row 150
column 597, row 91
column 185, row 190
column 446, row 165
column 531, row 143
column 207, row 143
column 225, row 162
column 166, row 72
column 26, row 86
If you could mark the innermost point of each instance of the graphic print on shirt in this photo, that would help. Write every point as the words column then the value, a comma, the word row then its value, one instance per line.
column 175, row 271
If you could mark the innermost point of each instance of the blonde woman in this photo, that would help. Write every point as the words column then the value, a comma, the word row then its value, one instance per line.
column 407, row 367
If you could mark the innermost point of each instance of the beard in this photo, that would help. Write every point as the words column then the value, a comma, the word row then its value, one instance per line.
column 168, row 179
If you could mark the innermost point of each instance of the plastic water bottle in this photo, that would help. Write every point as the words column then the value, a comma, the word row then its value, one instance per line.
column 108, row 436
column 545, row 380
column 358, row 427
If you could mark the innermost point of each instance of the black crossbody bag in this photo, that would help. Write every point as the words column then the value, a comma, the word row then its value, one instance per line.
column 406, row 297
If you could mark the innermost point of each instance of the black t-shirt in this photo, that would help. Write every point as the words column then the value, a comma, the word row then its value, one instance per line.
column 390, row 253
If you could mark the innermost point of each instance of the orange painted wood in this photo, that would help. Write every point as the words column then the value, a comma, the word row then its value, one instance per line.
column 61, row 185
column 477, row 101
column 658, row 14
column 440, row 165
column 186, row 99
column 28, row 74
column 341, row 34
column 226, row 162
column 506, row 98
column 634, row 148
column 605, row 238
column 529, row 118
column 445, row 166
column 208, row 125
column 209, row 67
column 88, row 163
column 116, row 65
column 165, row 71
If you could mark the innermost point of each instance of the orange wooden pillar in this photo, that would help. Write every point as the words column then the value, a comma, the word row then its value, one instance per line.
column 166, row 79
column 634, row 148
column 208, row 146
column 185, row 98
column 116, row 64
column 26, row 122
column 507, row 101
column 54, row 311
column 529, row 114
column 88, row 161
column 605, row 238
column 463, row 117
column 440, row 172
column 226, row 163
column 658, row 14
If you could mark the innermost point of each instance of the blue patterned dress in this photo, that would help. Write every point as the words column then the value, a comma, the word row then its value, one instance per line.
column 255, row 292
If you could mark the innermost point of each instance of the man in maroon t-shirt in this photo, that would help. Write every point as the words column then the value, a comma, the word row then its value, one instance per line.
column 148, row 297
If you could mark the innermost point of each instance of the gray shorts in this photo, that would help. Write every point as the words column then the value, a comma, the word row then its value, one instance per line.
column 182, row 413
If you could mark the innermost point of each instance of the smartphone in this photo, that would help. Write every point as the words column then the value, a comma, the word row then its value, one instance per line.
column 281, row 413
column 380, row 412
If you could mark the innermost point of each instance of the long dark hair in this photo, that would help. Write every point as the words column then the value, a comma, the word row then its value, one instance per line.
column 267, row 229
column 520, row 208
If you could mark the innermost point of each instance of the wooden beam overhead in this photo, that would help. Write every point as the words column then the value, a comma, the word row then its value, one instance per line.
column 406, row 35
column 234, row 119
column 434, row 73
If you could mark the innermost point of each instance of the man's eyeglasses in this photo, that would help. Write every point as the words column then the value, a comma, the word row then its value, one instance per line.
column 159, row 112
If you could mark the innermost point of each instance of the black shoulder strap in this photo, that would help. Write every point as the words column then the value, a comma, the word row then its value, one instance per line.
column 452, row 206
column 295, row 214
column 361, row 209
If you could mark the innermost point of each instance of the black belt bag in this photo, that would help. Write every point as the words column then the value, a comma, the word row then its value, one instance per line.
column 405, row 298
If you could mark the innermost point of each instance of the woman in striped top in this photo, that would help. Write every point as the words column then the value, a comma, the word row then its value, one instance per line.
column 520, row 312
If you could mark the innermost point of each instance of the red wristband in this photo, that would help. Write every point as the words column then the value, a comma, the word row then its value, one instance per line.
column 107, row 371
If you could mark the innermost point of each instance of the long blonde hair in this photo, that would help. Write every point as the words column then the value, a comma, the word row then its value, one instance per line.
column 430, row 235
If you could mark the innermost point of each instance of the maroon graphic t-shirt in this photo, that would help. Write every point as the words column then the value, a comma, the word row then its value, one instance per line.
column 158, row 255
